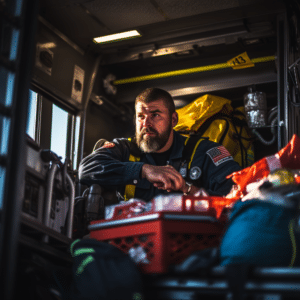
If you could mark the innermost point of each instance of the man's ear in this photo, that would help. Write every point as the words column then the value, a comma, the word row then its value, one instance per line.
column 174, row 119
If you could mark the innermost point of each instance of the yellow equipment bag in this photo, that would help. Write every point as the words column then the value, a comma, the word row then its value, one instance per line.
column 213, row 117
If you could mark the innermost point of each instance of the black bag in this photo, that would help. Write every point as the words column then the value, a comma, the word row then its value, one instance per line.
column 102, row 271
column 261, row 233
column 198, row 262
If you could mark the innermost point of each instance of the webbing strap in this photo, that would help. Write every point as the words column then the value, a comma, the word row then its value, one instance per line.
column 190, row 147
column 130, row 188
column 194, row 151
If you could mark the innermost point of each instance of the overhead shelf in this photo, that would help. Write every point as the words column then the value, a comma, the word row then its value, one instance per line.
column 203, row 82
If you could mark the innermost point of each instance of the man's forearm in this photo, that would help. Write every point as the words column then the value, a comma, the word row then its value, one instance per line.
column 104, row 170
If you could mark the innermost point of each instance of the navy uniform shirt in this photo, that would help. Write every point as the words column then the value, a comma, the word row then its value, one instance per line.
column 111, row 168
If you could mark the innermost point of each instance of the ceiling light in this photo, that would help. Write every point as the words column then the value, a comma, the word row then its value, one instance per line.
column 117, row 37
column 48, row 45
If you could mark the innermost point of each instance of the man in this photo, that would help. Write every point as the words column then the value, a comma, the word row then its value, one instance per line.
column 153, row 163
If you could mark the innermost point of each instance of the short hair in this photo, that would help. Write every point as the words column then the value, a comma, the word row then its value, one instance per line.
column 153, row 94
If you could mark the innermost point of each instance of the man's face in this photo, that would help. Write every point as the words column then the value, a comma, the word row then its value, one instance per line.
column 153, row 126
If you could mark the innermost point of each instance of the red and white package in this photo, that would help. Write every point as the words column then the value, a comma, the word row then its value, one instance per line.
column 288, row 157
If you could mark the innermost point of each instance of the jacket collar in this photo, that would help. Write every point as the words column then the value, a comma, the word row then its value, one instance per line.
column 178, row 145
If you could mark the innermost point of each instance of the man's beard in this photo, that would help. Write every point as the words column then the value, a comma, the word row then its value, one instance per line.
column 150, row 144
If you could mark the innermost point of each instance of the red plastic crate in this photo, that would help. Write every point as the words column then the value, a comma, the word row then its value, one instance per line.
column 167, row 237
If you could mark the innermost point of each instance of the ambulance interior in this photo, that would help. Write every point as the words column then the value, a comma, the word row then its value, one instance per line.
column 183, row 47
column 174, row 37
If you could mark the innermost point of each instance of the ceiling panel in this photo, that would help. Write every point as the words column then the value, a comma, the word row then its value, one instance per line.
column 160, row 21
column 72, row 20
column 120, row 15
column 179, row 9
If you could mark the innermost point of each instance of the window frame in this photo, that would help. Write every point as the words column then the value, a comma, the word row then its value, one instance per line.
column 37, row 116
column 43, row 128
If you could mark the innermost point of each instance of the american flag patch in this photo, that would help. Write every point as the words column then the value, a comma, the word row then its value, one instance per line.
column 219, row 155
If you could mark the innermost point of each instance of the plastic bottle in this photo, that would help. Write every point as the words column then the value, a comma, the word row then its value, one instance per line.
column 255, row 107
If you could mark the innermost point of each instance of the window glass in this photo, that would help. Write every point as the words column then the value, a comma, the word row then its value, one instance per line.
column 75, row 155
column 2, row 183
column 32, row 115
column 7, row 82
column 59, row 131
column 4, row 134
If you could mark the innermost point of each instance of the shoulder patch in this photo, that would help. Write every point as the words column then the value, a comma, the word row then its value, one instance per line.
column 219, row 155
column 108, row 145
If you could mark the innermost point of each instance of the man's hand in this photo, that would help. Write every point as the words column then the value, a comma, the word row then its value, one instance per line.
column 164, row 177
column 167, row 178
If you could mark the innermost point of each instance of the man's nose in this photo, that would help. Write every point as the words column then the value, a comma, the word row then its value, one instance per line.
column 147, row 121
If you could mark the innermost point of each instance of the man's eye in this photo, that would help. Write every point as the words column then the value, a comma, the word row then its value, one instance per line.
column 155, row 115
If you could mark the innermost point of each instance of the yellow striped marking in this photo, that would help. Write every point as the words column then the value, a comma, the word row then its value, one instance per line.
column 187, row 71
column 130, row 188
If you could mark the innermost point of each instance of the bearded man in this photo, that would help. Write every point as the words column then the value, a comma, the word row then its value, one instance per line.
column 152, row 162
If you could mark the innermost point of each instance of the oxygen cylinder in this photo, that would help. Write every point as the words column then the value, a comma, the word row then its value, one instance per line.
column 255, row 104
